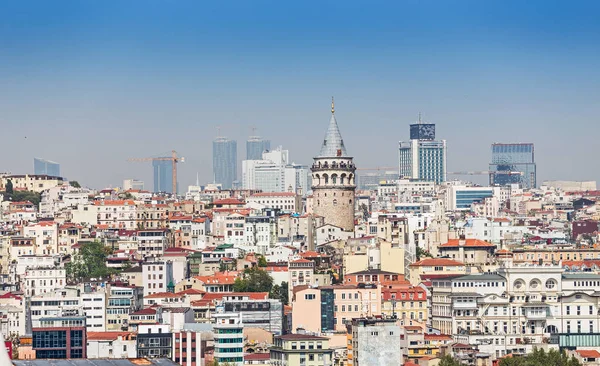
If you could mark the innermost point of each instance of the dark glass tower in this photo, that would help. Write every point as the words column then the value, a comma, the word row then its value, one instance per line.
column 255, row 146
column 163, row 175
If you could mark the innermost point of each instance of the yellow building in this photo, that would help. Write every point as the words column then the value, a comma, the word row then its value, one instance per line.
column 434, row 266
column 379, row 254
column 301, row 349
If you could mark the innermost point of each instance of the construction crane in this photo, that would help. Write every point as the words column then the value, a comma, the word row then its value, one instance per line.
column 174, row 159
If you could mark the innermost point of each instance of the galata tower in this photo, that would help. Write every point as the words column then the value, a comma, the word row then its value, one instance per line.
column 333, row 179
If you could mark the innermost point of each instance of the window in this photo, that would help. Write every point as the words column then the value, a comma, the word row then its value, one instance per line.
column 309, row 296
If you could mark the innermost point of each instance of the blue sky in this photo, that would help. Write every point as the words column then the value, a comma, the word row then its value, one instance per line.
column 89, row 84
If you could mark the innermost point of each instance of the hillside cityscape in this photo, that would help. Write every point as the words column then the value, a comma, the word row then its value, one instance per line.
column 326, row 264
column 299, row 183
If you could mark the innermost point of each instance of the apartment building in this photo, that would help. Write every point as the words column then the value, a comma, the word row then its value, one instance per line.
column 301, row 349
column 157, row 277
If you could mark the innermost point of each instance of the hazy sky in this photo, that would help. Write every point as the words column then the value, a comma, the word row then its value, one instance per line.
column 91, row 83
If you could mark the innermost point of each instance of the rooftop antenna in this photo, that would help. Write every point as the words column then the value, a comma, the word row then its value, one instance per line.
column 197, row 180
column 253, row 128
column 218, row 131
column 420, row 118
column 332, row 106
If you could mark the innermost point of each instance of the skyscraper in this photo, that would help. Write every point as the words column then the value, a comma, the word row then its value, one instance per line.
column 513, row 163
column 333, row 181
column 423, row 157
column 163, row 176
column 255, row 146
column 46, row 167
column 225, row 161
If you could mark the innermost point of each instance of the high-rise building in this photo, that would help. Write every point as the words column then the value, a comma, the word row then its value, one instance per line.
column 46, row 167
column 163, row 175
column 255, row 146
column 333, row 180
column 274, row 173
column 228, row 331
column 133, row 184
column 225, row 162
column 423, row 158
column 513, row 163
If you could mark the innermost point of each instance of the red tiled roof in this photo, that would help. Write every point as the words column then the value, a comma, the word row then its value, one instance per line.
column 588, row 353
column 147, row 311
column 257, row 356
column 472, row 243
column 161, row 295
column 191, row 291
column 108, row 336
column 436, row 262
column 228, row 201
column 114, row 203
column 217, row 296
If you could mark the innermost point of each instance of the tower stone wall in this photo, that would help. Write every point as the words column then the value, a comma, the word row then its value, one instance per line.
column 334, row 180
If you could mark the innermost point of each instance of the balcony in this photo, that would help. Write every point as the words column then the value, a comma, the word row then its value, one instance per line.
column 536, row 315
column 465, row 305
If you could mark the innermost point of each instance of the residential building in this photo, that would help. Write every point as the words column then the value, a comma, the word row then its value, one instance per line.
column 422, row 157
column 225, row 162
column 154, row 341
column 111, row 345
column 375, row 341
column 34, row 183
column 333, row 180
column 157, row 277
column 152, row 242
column 330, row 308
column 41, row 280
column 93, row 299
column 513, row 163
column 117, row 214
column 228, row 338
column 46, row 167
column 122, row 301
column 191, row 344
column 434, row 266
column 256, row 146
column 59, row 338
column 405, row 302
column 473, row 252
column 301, row 349
column 284, row 201
column 263, row 314
column 461, row 197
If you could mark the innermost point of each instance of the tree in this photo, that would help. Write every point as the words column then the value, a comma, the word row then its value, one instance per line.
column 448, row 361
column 262, row 261
column 253, row 280
column 90, row 262
column 280, row 292
column 421, row 253
column 9, row 187
column 539, row 357
column 75, row 184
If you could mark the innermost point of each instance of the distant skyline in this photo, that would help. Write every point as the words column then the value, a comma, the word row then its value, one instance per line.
column 90, row 84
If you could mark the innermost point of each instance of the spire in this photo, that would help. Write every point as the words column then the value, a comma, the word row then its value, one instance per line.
column 333, row 145
column 332, row 106
column 197, row 180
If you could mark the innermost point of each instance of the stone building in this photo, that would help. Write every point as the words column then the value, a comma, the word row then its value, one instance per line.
column 333, row 180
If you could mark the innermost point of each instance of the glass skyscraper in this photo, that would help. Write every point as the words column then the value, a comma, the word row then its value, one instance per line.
column 46, row 167
column 513, row 163
column 225, row 162
column 163, row 175
column 255, row 146
column 422, row 158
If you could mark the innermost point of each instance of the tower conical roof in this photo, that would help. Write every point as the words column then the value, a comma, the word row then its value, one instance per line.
column 333, row 145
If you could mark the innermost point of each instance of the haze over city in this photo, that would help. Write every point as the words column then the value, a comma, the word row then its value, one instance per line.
column 92, row 84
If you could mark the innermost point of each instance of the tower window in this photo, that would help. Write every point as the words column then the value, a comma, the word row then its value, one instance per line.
column 350, row 201
column 334, row 202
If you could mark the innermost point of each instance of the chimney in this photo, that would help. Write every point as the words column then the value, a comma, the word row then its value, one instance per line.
column 461, row 240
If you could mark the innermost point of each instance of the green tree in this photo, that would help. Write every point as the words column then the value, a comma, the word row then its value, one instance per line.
column 75, row 184
column 262, row 261
column 539, row 357
column 89, row 262
column 253, row 280
column 280, row 292
column 448, row 361
column 9, row 187
column 422, row 253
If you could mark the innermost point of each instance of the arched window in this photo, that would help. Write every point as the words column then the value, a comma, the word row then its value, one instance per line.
column 325, row 179
column 334, row 202
column 334, row 178
column 342, row 178
column 318, row 179
column 350, row 179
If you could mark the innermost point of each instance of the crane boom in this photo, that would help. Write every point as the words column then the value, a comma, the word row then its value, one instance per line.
column 173, row 158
